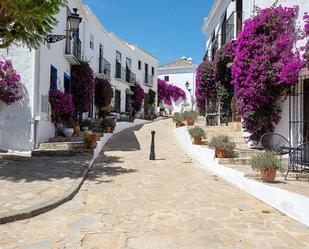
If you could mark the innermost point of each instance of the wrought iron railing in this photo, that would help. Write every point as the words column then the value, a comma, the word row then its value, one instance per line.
column 105, row 67
column 148, row 80
column 73, row 47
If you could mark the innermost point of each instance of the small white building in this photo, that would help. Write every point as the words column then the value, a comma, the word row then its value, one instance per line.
column 225, row 21
column 26, row 123
column 180, row 73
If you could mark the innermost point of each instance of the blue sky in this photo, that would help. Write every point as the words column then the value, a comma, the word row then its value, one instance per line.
column 169, row 29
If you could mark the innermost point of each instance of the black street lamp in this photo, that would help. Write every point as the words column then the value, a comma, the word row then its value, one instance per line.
column 74, row 20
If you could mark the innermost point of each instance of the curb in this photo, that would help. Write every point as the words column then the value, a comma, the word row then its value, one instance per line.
column 72, row 191
column 291, row 204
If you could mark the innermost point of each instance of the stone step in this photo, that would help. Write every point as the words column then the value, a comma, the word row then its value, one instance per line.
column 62, row 145
column 61, row 153
column 236, row 160
column 247, row 153
column 78, row 138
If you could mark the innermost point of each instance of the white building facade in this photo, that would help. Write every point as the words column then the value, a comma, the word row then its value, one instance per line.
column 26, row 123
column 179, row 73
column 223, row 24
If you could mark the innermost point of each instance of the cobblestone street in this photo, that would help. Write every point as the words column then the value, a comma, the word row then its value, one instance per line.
column 131, row 202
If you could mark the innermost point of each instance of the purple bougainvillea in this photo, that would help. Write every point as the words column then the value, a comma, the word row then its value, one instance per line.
column 62, row 108
column 9, row 83
column 205, row 85
column 138, row 97
column 169, row 93
column 82, row 87
column 265, row 67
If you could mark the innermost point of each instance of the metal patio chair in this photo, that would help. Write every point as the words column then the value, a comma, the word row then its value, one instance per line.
column 299, row 158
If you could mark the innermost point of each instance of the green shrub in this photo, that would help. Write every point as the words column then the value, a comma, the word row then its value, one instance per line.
column 177, row 117
column 266, row 161
column 108, row 122
column 197, row 132
column 87, row 123
column 190, row 114
column 222, row 141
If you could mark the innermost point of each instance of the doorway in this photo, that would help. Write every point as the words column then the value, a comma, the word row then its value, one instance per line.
column 117, row 101
column 306, row 111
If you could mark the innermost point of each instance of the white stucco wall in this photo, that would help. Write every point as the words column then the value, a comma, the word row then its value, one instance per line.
column 178, row 77
column 16, row 120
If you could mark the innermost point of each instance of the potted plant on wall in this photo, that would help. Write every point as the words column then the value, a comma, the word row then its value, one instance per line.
column 190, row 117
column 177, row 118
column 90, row 139
column 108, row 125
column 223, row 145
column 76, row 128
column 86, row 124
column 197, row 133
column 267, row 163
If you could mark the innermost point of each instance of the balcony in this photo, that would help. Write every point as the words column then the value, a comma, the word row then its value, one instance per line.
column 124, row 74
column 232, row 27
column 148, row 80
column 73, row 51
column 104, row 68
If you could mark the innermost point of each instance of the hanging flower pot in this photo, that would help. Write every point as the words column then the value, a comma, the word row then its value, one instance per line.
column 220, row 152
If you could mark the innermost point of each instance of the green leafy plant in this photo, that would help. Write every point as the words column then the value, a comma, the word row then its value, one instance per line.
column 87, row 123
column 190, row 114
column 27, row 21
column 108, row 122
column 177, row 117
column 222, row 141
column 87, row 137
column 197, row 132
column 266, row 161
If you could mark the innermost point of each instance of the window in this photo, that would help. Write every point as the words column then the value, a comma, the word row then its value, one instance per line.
column 101, row 59
column 152, row 71
column 167, row 78
column 128, row 70
column 91, row 41
column 53, row 78
column 118, row 65
column 139, row 65
column 67, row 83
column 146, row 73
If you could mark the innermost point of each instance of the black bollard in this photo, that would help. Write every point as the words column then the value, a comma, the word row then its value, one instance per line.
column 152, row 155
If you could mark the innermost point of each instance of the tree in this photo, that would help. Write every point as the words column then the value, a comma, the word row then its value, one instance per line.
column 27, row 21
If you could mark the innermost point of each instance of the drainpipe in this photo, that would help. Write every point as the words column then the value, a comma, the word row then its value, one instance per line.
column 36, row 99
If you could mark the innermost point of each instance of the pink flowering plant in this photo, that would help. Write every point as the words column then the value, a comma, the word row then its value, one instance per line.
column 168, row 93
column 83, row 83
column 205, row 85
column 265, row 67
column 9, row 83
column 138, row 97
column 62, row 108
column 306, row 34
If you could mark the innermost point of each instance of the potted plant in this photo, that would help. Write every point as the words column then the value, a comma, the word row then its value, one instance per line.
column 190, row 117
column 197, row 133
column 108, row 125
column 68, row 130
column 267, row 163
column 223, row 145
column 86, row 124
column 90, row 139
column 76, row 128
column 177, row 118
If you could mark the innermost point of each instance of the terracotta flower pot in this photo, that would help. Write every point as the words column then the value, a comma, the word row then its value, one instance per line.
column 108, row 130
column 76, row 129
column 197, row 140
column 268, row 175
column 220, row 153
column 178, row 124
column 190, row 121
column 92, row 145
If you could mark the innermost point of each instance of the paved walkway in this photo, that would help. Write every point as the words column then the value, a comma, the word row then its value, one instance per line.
column 30, row 183
column 172, row 203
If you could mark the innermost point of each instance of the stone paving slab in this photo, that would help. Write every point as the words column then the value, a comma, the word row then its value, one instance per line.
column 31, row 184
column 171, row 203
